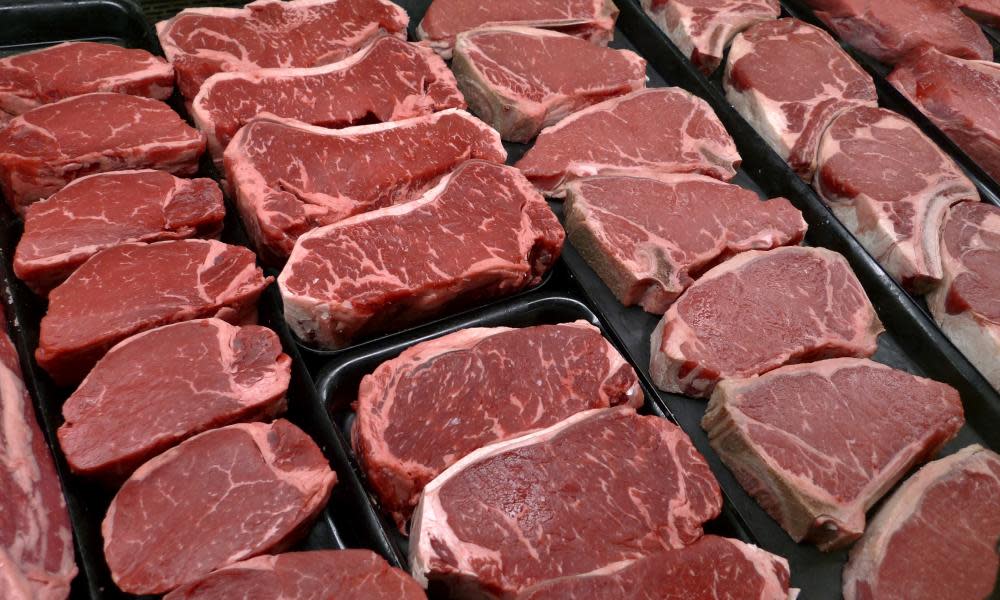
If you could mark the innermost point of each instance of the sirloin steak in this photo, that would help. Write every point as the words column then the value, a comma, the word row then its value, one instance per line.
column 598, row 488
column 986, row 12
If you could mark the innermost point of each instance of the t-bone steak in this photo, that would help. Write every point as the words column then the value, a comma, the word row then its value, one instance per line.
column 99, row 211
column 521, row 79
column 758, row 311
column 220, row 497
column 783, row 436
column 791, row 113
column 649, row 239
column 421, row 412
column 615, row 137
column 598, row 488
column 482, row 232
column 984, row 11
column 290, row 178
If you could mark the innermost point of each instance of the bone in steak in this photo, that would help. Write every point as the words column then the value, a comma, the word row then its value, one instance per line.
column 107, row 209
column 290, row 178
column 131, row 288
column 936, row 537
column 702, row 29
column 986, row 12
column 438, row 401
column 247, row 489
column 481, row 233
column 201, row 42
column 521, row 79
column 34, row 78
column 598, row 488
column 649, row 239
column 615, row 138
column 759, row 311
column 783, row 436
column 45, row 148
column 162, row 386
column 388, row 80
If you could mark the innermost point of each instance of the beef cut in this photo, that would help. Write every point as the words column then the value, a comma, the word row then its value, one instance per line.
column 601, row 487
column 387, row 80
column 592, row 20
column 791, row 113
column 290, row 178
column 45, row 148
column 986, row 12
column 936, row 537
column 702, row 29
column 247, row 489
column 421, row 412
column 649, row 239
column 132, row 288
column 818, row 444
column 759, row 311
column 103, row 210
column 521, row 79
column 890, row 186
column 615, row 138
column 200, row 42
column 31, row 79
column 315, row 575
column 481, row 233
column 162, row 386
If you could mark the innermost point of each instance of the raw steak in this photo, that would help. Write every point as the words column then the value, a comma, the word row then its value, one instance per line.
column 47, row 147
column 106, row 209
column 416, row 415
column 936, row 538
column 290, row 178
column 713, row 568
column 592, row 20
column 556, row 504
column 702, row 29
column 31, row 79
column 160, row 387
column 132, row 288
column 758, row 311
column 316, row 575
column 615, row 137
column 387, row 80
column 270, row 33
column 783, row 435
column 891, row 186
column 791, row 113
column 481, row 233
column 521, row 79
column 984, row 11
column 959, row 96
column 248, row 488
column 649, row 239
column 967, row 303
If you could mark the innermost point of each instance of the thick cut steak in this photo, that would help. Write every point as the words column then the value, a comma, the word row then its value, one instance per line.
column 521, row 79
column 615, row 138
column 818, row 444
column 107, row 209
column 290, row 178
column 438, row 401
column 162, row 386
column 220, row 497
column 936, row 538
column 270, row 33
column 598, row 488
column 758, row 311
column 984, row 11
column 791, row 113
column 45, row 148
column 649, row 239
column 131, row 288
column 388, row 80
column 890, row 186
column 481, row 233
